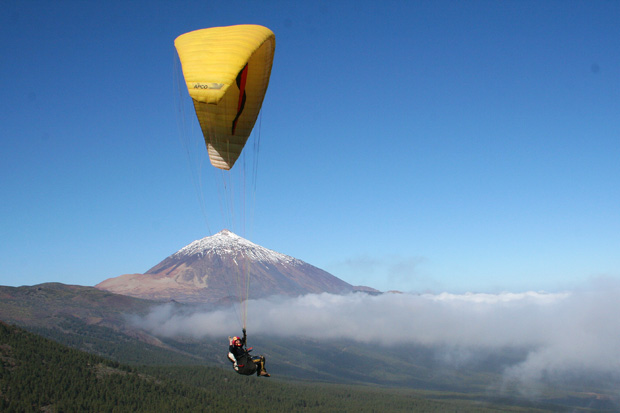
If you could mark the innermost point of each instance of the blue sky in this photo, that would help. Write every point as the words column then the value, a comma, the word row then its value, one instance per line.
column 414, row 145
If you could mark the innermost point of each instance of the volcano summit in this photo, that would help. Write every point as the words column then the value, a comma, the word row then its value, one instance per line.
column 208, row 270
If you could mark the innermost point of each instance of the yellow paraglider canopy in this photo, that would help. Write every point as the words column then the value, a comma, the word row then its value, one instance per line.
column 226, row 70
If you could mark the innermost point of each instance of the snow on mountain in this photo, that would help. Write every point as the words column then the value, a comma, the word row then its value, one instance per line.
column 217, row 268
column 226, row 242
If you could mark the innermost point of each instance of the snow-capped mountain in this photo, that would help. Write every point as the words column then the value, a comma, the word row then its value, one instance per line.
column 218, row 268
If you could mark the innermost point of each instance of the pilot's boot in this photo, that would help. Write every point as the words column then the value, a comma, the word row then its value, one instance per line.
column 262, row 371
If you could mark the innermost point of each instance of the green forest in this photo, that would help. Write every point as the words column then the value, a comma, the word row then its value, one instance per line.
column 38, row 374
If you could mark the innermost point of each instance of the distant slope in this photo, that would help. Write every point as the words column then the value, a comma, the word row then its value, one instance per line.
column 42, row 304
column 210, row 269
column 88, row 319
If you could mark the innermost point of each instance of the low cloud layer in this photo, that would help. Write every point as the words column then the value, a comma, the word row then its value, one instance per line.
column 561, row 332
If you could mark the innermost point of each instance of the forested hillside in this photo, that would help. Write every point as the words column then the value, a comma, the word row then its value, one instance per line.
column 36, row 373
column 39, row 374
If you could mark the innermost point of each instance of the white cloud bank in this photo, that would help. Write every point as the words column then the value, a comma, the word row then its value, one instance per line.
column 562, row 332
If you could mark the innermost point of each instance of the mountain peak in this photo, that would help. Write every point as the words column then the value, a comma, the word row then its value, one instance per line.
column 205, row 270
column 226, row 243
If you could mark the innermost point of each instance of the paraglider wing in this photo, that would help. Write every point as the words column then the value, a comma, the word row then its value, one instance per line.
column 226, row 70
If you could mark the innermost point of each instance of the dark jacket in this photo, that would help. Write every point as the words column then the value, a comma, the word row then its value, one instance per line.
column 241, row 359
